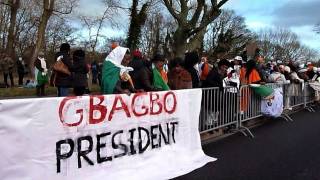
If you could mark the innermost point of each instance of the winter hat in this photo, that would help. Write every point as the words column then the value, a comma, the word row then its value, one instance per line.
column 238, row 58
column 287, row 69
column 137, row 53
column 301, row 66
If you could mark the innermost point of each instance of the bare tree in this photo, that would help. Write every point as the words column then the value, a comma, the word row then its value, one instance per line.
column 95, row 24
column 227, row 35
column 138, row 18
column 4, row 25
column 283, row 44
column 14, row 6
column 192, row 17
column 49, row 7
column 153, row 34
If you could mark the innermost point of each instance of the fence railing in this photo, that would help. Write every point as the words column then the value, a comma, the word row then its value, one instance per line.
column 231, row 108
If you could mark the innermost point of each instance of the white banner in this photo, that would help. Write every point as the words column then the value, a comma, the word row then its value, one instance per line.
column 143, row 136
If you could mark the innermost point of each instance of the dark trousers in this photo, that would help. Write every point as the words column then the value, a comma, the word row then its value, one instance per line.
column 40, row 90
column 5, row 78
column 21, row 75
column 79, row 91
column 94, row 78
column 62, row 91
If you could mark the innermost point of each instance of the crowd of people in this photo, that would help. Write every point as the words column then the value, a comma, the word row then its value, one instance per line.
column 195, row 71
column 130, row 72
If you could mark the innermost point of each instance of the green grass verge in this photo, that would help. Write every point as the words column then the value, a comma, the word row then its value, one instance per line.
column 17, row 92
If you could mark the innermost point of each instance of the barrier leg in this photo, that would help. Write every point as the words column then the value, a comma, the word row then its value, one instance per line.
column 286, row 117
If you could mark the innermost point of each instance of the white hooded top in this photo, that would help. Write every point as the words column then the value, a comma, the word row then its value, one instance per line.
column 116, row 56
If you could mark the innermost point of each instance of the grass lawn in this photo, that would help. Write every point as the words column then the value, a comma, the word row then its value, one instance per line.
column 17, row 92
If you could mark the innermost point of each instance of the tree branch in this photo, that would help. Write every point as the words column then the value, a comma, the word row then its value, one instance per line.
column 64, row 12
column 169, row 5
column 197, row 13
column 221, row 3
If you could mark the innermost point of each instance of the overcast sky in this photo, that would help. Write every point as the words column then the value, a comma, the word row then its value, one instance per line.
column 298, row 15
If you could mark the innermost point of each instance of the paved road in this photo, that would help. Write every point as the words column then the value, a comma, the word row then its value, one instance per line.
column 279, row 151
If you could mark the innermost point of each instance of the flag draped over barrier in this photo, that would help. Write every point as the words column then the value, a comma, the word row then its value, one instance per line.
column 143, row 136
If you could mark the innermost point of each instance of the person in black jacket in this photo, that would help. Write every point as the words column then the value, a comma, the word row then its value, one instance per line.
column 20, row 69
column 64, row 81
column 80, row 70
column 216, row 76
column 142, row 73
column 191, row 61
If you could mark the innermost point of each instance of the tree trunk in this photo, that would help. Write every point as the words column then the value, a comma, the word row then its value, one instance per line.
column 46, row 14
column 196, row 42
column 137, row 20
column 179, row 45
column 14, row 6
column 192, row 22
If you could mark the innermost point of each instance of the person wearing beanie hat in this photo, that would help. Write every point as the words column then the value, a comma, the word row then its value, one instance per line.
column 137, row 54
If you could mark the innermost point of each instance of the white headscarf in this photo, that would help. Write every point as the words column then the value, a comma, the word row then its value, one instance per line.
column 116, row 56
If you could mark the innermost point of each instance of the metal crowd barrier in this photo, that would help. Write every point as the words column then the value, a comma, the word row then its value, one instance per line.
column 219, row 109
column 230, row 107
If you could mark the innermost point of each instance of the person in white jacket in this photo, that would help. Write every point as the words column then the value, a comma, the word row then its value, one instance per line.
column 276, row 76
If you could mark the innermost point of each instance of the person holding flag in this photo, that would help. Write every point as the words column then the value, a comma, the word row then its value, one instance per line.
column 115, row 71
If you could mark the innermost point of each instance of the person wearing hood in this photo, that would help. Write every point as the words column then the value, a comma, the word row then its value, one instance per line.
column 142, row 73
column 191, row 64
column 42, row 74
column 114, row 71
column 80, row 70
